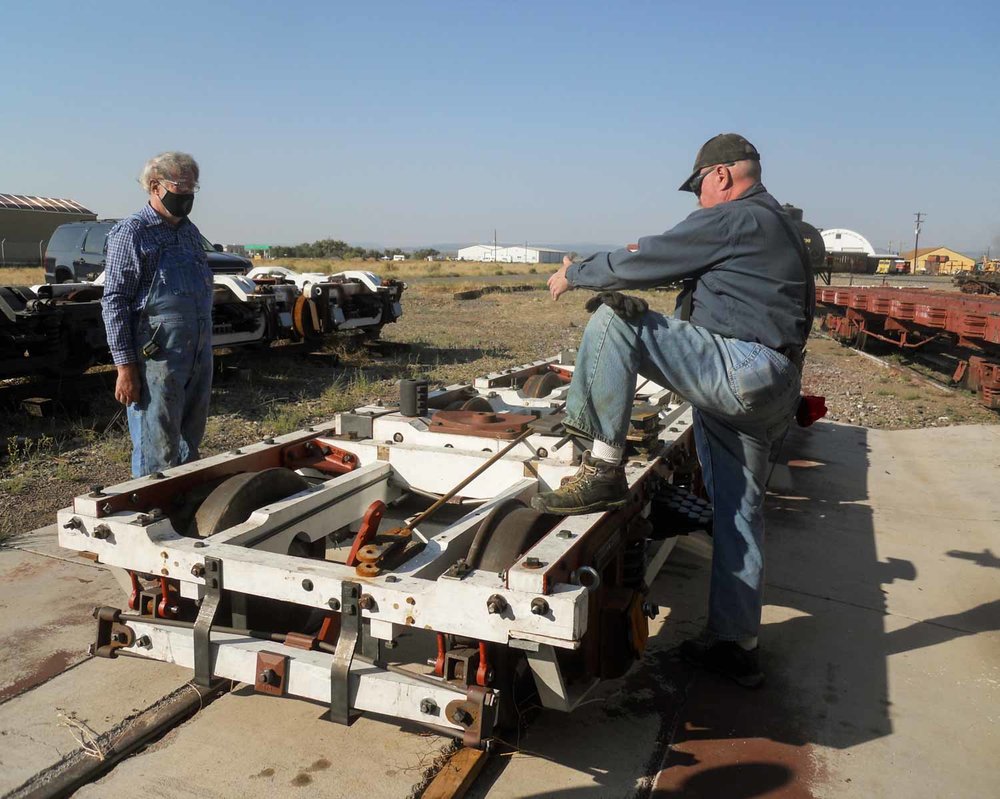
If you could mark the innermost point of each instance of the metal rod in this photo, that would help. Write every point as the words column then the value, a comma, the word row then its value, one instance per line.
column 76, row 770
column 445, row 497
column 434, row 508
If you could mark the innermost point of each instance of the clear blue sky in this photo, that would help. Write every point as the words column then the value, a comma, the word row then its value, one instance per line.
column 404, row 123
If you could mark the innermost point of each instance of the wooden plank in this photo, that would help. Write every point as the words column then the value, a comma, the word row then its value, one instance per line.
column 457, row 775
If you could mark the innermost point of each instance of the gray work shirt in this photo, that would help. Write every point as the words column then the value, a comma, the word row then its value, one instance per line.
column 746, row 260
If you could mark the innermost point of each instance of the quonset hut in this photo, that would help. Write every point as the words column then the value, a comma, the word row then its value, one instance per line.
column 26, row 223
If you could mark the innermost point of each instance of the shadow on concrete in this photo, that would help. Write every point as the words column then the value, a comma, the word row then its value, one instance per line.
column 981, row 618
column 985, row 558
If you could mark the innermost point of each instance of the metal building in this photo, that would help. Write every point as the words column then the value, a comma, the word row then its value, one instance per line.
column 840, row 239
column 26, row 223
column 518, row 254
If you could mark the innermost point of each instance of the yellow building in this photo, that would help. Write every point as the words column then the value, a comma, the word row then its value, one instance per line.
column 939, row 261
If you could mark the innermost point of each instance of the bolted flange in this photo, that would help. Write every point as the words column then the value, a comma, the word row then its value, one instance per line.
column 496, row 604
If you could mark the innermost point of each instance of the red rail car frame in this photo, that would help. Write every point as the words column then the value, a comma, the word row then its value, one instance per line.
column 912, row 318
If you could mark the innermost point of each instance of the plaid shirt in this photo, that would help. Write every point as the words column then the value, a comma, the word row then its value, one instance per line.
column 131, row 255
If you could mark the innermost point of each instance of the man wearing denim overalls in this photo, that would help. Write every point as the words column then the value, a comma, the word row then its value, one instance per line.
column 735, row 356
column 157, row 310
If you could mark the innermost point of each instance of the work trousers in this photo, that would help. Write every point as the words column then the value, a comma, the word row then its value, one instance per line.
column 744, row 395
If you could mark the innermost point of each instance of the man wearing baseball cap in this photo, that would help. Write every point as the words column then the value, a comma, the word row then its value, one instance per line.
column 734, row 351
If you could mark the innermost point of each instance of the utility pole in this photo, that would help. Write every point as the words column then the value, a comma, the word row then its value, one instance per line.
column 916, row 240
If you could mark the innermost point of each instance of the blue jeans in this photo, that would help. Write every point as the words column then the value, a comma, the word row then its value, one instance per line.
column 744, row 395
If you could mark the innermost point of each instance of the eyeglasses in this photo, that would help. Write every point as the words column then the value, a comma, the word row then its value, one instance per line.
column 696, row 182
column 181, row 188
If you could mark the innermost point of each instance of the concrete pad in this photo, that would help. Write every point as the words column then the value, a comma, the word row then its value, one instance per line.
column 100, row 693
column 258, row 747
column 880, row 629
column 43, row 541
column 45, row 615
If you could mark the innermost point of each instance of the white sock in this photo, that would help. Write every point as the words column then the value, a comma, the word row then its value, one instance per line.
column 607, row 452
column 749, row 644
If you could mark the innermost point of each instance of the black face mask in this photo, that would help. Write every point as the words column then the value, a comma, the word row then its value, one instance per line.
column 179, row 205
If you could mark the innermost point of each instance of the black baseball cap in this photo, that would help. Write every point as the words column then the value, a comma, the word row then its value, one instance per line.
column 721, row 149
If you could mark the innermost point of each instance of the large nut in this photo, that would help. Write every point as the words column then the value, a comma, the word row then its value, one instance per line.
column 496, row 604
column 539, row 606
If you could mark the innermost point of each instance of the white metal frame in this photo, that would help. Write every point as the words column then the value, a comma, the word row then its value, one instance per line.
column 403, row 455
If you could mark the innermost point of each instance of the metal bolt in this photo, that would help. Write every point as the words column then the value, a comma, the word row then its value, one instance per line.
column 143, row 641
column 198, row 570
column 367, row 602
column 334, row 604
column 268, row 677
column 96, row 492
column 532, row 563
column 268, row 440
column 460, row 716
column 73, row 524
column 199, row 544
column 496, row 604
column 391, row 578
column 101, row 532
column 539, row 606
column 398, row 438
column 428, row 706
column 565, row 534
column 307, row 584
column 156, row 476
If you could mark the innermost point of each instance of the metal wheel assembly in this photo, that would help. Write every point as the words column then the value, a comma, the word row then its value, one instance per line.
column 509, row 531
column 541, row 385
column 233, row 501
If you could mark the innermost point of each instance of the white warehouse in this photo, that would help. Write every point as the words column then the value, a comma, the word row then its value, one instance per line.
column 518, row 254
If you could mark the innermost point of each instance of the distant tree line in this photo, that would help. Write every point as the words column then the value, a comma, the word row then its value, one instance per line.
column 334, row 248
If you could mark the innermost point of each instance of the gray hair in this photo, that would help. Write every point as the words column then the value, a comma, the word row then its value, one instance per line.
column 748, row 168
column 171, row 166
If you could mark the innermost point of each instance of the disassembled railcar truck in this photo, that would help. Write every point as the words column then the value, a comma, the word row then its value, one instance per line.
column 389, row 562
column 57, row 329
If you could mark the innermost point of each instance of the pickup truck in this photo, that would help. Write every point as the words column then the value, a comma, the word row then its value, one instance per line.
column 75, row 253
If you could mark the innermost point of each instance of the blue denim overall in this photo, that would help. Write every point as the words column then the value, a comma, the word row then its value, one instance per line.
column 168, row 422
column 744, row 395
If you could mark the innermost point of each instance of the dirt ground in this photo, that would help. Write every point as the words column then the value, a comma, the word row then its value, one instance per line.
column 46, row 462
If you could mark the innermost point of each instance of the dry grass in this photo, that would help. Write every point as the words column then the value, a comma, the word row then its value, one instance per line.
column 412, row 269
column 21, row 276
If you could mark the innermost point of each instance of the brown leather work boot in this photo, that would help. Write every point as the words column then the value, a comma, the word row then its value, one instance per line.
column 597, row 486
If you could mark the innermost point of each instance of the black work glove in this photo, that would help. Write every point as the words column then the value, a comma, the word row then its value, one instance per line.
column 628, row 308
